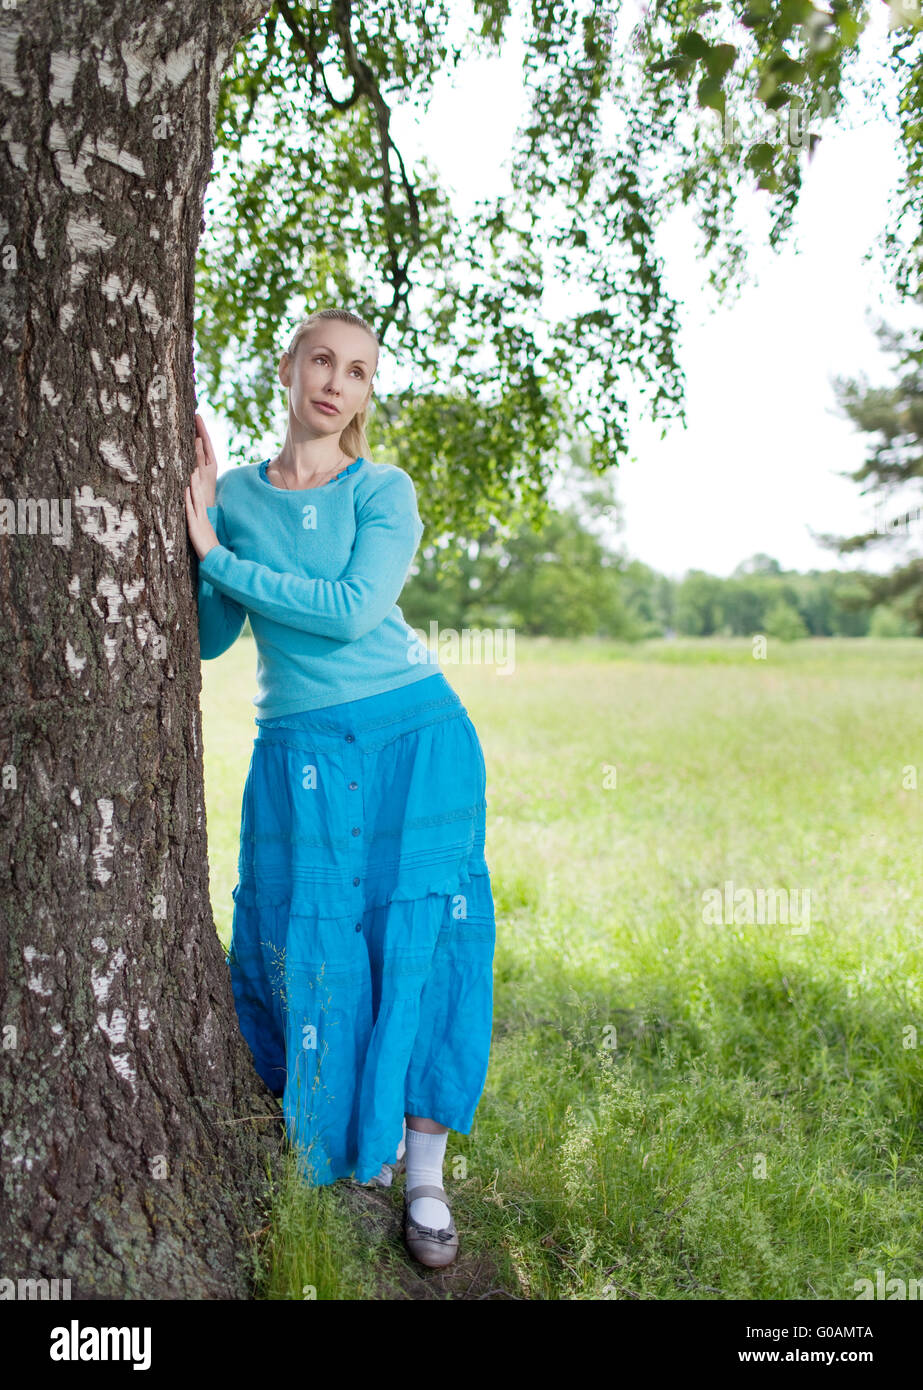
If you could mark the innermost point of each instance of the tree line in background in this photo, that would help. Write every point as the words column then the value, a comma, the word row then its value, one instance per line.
column 566, row 576
column 563, row 582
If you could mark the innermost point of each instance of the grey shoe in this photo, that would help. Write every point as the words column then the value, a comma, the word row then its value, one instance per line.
column 432, row 1248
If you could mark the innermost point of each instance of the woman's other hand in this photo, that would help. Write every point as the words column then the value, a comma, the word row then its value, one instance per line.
column 206, row 463
column 201, row 532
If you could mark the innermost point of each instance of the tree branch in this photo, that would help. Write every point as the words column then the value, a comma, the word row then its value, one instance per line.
column 365, row 82
column 308, row 48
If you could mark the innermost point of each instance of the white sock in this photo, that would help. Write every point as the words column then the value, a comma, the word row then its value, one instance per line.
column 425, row 1155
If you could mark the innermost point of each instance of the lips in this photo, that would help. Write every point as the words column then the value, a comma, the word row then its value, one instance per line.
column 326, row 408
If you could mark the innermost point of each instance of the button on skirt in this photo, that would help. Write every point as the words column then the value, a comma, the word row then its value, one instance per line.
column 362, row 947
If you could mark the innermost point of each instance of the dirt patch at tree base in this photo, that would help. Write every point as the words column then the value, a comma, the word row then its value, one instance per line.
column 378, row 1213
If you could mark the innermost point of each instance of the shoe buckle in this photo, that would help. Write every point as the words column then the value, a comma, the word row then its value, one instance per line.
column 432, row 1234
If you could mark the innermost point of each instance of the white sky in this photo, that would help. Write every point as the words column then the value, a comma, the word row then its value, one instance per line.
column 758, row 462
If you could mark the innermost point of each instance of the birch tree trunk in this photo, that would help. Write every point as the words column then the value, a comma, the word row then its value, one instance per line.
column 134, row 1132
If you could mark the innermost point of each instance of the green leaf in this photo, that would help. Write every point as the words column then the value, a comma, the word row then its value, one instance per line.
column 779, row 98
column 720, row 59
column 757, row 12
column 693, row 44
column 786, row 69
column 760, row 157
column 710, row 95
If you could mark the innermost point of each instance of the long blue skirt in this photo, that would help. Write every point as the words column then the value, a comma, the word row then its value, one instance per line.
column 362, row 949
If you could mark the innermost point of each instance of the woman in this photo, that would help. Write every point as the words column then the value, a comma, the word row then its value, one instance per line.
column 362, row 949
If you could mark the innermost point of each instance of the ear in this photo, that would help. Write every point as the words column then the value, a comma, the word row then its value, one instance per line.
column 285, row 368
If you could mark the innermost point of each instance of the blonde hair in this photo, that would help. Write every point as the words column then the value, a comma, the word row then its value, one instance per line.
column 353, row 439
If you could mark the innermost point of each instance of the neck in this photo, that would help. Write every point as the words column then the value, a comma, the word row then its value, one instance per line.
column 307, row 461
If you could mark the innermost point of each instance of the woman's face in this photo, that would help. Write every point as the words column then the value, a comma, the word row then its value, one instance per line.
column 333, row 365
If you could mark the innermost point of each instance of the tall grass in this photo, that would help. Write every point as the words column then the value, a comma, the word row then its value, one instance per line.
column 675, row 1108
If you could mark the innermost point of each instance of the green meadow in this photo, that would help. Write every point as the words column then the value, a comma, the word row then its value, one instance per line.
column 682, row 1103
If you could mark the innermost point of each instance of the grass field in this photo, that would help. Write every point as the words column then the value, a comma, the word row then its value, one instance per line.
column 677, row 1106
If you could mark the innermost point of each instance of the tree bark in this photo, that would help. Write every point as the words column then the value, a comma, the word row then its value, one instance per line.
column 134, row 1132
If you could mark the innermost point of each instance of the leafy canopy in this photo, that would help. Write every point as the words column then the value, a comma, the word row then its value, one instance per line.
column 315, row 204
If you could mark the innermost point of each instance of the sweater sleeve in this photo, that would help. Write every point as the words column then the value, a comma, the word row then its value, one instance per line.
column 388, row 531
column 220, row 618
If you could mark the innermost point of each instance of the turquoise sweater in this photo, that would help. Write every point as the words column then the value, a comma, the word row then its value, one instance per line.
column 319, row 570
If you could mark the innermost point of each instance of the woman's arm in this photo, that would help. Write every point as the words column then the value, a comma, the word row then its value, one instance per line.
column 220, row 618
column 388, row 532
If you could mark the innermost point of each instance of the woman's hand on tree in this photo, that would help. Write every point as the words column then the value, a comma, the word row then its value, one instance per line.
column 201, row 532
column 206, row 463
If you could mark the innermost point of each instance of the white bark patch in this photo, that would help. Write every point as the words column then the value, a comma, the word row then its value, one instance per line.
column 109, row 401
column 14, row 149
column 108, row 589
column 144, row 1017
column 121, row 524
column 101, row 980
column 35, row 981
column 141, row 624
column 168, row 541
column 107, row 75
column 116, row 459
column 123, row 1066
column 75, row 796
column 66, row 317
column 222, row 54
column 145, row 68
column 75, row 663
column 74, row 585
column 112, row 154
column 98, row 943
column 178, row 64
column 87, row 235
column 122, row 367
column 208, row 1036
column 64, row 68
column 115, row 1027
column 104, row 848
column 48, row 392
column 156, row 393
column 38, row 240
column 113, row 289
column 9, row 77
column 72, row 171
column 40, row 773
